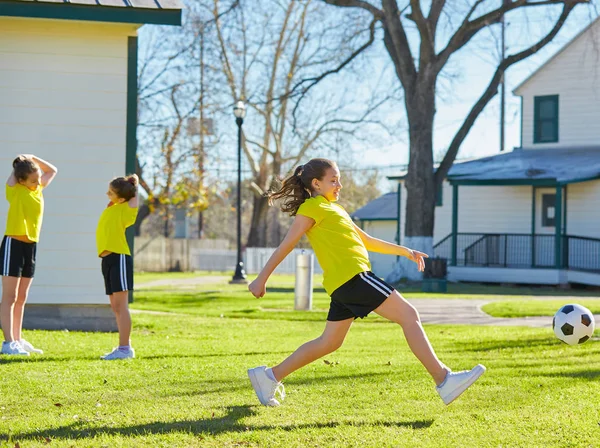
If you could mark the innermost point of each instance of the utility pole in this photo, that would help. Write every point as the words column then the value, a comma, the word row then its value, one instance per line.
column 201, row 130
column 502, row 83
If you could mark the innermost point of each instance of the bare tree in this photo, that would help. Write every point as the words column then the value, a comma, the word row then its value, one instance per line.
column 418, row 67
column 270, row 53
column 170, row 161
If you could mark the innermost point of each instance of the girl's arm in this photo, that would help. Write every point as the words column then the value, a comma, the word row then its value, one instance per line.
column 133, row 202
column 48, row 170
column 383, row 247
column 300, row 226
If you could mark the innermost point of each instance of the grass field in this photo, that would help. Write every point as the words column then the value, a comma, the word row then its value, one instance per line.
column 188, row 387
column 524, row 308
column 455, row 290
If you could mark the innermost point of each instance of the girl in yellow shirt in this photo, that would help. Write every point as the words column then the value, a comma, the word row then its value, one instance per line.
column 310, row 195
column 117, row 265
column 24, row 187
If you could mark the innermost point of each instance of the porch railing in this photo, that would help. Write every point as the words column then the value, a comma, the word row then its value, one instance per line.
column 581, row 253
column 513, row 250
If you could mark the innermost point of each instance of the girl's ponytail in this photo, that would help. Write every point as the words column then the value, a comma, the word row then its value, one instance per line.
column 292, row 191
column 297, row 188
column 125, row 187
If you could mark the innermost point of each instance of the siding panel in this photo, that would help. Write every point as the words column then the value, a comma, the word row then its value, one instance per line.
column 574, row 75
column 583, row 209
column 63, row 97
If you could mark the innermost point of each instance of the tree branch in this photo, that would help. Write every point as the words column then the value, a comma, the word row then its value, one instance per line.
column 377, row 13
column 234, row 5
column 491, row 91
column 469, row 28
column 260, row 145
column 291, row 72
column 226, row 64
column 427, row 50
column 434, row 12
column 138, row 171
column 316, row 80
column 396, row 43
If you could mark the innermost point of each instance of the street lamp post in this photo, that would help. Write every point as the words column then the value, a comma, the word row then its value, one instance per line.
column 240, row 276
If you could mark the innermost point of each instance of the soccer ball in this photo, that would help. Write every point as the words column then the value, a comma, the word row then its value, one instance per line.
column 573, row 324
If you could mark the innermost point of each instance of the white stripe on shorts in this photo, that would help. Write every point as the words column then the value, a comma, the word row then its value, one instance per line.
column 380, row 283
column 374, row 285
column 7, row 256
column 123, row 273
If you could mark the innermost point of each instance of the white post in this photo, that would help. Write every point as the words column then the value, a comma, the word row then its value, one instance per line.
column 304, row 281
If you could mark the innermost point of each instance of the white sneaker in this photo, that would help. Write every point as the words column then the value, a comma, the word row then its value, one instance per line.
column 30, row 348
column 13, row 348
column 456, row 383
column 119, row 354
column 265, row 387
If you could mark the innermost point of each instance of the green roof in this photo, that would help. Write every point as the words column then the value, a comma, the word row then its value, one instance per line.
column 158, row 12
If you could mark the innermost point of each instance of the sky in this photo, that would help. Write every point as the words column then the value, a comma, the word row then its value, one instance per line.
column 469, row 72
column 474, row 75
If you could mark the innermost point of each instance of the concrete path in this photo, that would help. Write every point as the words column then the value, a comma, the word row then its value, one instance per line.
column 457, row 311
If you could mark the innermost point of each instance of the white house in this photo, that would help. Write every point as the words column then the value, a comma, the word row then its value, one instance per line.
column 68, row 93
column 531, row 215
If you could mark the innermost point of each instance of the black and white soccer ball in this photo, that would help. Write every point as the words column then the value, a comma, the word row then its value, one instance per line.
column 573, row 324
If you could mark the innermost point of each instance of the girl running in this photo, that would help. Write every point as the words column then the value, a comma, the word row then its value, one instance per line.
column 310, row 195
column 117, row 265
column 24, row 188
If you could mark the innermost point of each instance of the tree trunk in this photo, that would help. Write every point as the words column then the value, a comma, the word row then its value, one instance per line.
column 420, row 200
column 166, row 223
column 143, row 213
column 257, row 236
column 200, row 225
column 420, row 182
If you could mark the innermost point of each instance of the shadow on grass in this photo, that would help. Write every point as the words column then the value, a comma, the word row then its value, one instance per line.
column 229, row 423
column 211, row 355
column 239, row 384
column 335, row 377
column 525, row 344
column 37, row 359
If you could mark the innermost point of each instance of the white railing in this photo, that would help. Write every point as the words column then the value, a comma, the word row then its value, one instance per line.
column 257, row 257
column 160, row 254
column 171, row 254
column 254, row 259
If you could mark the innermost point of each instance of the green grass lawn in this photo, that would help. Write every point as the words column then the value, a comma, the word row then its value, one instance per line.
column 188, row 387
column 146, row 277
column 525, row 308
column 455, row 290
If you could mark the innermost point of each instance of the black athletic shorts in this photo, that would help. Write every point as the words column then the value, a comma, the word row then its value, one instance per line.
column 18, row 258
column 117, row 270
column 358, row 297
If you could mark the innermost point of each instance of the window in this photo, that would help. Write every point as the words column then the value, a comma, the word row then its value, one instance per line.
column 439, row 195
column 548, row 210
column 545, row 119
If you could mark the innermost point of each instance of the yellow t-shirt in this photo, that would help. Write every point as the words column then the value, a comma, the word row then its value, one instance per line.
column 110, row 233
column 25, row 211
column 337, row 244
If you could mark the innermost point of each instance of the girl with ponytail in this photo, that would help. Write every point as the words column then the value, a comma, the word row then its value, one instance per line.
column 30, row 176
column 310, row 194
column 117, row 265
